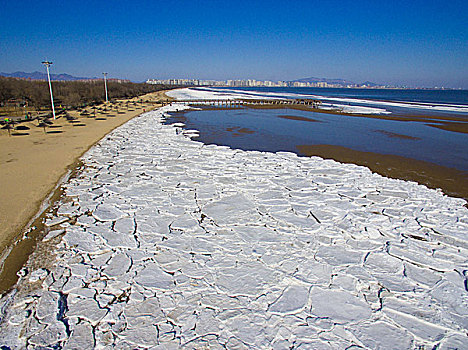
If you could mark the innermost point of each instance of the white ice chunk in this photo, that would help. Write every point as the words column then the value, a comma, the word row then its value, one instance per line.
column 338, row 255
column 55, row 221
column 338, row 305
column 382, row 335
column 231, row 209
column 118, row 265
column 152, row 276
column 106, row 212
column 85, row 308
column 81, row 337
column 293, row 299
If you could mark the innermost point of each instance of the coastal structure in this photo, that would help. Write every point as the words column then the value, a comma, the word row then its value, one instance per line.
column 245, row 102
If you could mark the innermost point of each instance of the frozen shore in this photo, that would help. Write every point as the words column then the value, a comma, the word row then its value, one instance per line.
column 162, row 242
column 351, row 105
column 197, row 94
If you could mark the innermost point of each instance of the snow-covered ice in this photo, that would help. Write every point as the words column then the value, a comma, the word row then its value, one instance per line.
column 162, row 242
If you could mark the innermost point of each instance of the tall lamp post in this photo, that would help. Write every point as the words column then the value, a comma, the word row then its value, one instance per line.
column 47, row 64
column 105, row 85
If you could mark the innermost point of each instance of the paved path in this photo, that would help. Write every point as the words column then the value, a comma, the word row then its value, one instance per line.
column 162, row 242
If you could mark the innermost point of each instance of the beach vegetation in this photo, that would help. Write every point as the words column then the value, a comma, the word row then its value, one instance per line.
column 22, row 93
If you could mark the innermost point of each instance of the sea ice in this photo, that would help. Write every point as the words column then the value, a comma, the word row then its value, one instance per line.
column 383, row 335
column 337, row 305
column 293, row 299
column 152, row 276
column 107, row 213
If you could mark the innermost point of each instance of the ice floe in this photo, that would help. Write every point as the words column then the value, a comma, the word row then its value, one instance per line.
column 162, row 242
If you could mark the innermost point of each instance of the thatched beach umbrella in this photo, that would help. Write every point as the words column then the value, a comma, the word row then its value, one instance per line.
column 8, row 127
column 42, row 124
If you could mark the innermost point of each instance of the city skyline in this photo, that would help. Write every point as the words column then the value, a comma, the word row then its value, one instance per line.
column 303, row 82
column 421, row 43
column 325, row 83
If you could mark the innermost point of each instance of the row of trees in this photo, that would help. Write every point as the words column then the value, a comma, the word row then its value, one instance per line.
column 69, row 93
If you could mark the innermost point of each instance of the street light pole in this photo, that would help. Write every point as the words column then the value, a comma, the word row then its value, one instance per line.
column 47, row 64
column 105, row 85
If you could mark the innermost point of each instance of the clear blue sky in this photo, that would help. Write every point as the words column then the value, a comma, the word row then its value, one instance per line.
column 412, row 42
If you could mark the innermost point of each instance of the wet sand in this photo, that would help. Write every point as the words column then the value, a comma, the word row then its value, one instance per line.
column 397, row 136
column 452, row 181
column 33, row 162
column 240, row 131
column 295, row 117
column 453, row 126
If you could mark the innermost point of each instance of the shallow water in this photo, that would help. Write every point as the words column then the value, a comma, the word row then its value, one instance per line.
column 408, row 95
column 398, row 102
column 285, row 129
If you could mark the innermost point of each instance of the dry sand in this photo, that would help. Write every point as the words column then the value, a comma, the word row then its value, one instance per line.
column 31, row 165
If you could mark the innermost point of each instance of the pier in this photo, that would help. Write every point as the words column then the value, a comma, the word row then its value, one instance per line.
column 233, row 103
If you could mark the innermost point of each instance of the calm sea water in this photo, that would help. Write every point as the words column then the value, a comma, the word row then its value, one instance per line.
column 270, row 130
column 407, row 95
column 400, row 102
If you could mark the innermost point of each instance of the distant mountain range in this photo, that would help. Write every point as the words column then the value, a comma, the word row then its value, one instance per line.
column 43, row 76
column 341, row 82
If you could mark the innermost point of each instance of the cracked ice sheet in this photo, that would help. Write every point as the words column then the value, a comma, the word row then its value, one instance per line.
column 181, row 245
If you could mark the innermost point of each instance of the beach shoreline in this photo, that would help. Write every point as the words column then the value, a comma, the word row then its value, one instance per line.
column 13, row 226
column 418, row 166
column 273, row 233
column 453, row 182
column 34, row 165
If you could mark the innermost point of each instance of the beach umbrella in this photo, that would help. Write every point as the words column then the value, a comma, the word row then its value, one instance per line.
column 8, row 127
column 22, row 127
column 42, row 124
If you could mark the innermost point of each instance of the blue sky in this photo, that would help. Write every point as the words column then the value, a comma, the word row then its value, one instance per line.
column 412, row 42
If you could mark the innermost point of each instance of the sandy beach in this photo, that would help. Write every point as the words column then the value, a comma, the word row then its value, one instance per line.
column 31, row 165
